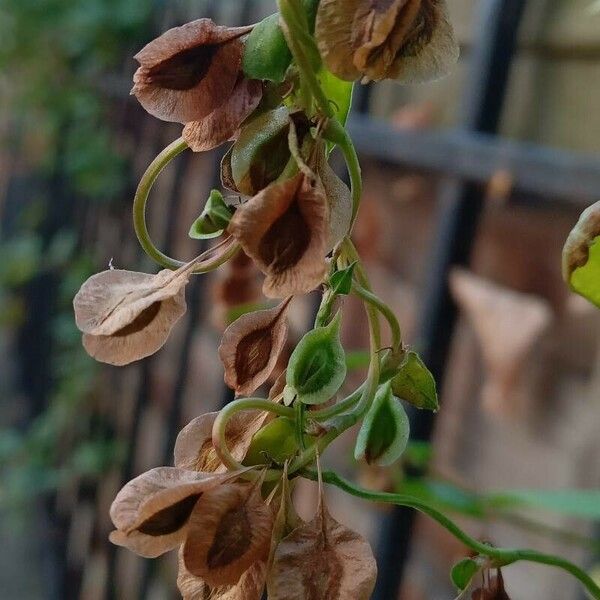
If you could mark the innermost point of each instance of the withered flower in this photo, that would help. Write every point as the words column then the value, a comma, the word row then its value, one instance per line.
column 194, row 449
column 284, row 228
column 251, row 346
column 189, row 71
column 407, row 40
column 249, row 587
column 229, row 531
column 126, row 316
column 152, row 511
column 322, row 559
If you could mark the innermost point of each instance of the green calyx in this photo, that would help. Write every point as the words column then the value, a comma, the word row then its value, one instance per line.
column 384, row 433
column 276, row 442
column 414, row 383
column 317, row 366
column 214, row 218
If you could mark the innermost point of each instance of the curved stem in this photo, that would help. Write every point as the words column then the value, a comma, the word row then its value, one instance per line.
column 335, row 132
column 501, row 556
column 340, row 407
column 385, row 310
column 141, row 198
column 218, row 432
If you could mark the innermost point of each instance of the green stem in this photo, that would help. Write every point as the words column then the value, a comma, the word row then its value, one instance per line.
column 335, row 132
column 293, row 37
column 501, row 556
column 340, row 407
column 141, row 199
column 385, row 310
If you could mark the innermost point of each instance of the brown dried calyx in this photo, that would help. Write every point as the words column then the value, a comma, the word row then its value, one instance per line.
column 407, row 40
column 492, row 589
column 322, row 559
column 284, row 228
column 126, row 315
column 251, row 346
column 192, row 74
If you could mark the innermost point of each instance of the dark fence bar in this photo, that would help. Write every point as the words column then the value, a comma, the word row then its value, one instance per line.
column 459, row 209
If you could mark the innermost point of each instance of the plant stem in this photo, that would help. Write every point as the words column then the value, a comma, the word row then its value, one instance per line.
column 385, row 310
column 141, row 199
column 501, row 556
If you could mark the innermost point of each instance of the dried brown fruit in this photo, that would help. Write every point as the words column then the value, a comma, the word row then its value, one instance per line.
column 151, row 512
column 189, row 71
column 322, row 559
column 284, row 229
column 223, row 123
column 249, row 587
column 407, row 40
column 126, row 316
column 228, row 533
column 251, row 346
column 194, row 449
column 492, row 590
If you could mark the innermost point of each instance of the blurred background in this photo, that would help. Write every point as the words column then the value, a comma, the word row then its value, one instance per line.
column 471, row 186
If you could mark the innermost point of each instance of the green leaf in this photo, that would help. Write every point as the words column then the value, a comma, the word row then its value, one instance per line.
column 384, row 433
column 214, row 218
column 584, row 504
column 266, row 54
column 415, row 384
column 463, row 572
column 341, row 281
column 338, row 91
column 317, row 366
column 581, row 255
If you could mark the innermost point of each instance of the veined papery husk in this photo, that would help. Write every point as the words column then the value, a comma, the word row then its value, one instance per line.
column 189, row 71
column 126, row 315
column 227, row 534
column 284, row 228
column 251, row 346
column 407, row 40
column 151, row 512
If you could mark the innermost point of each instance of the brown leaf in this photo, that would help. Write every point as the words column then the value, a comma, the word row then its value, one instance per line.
column 249, row 587
column 251, row 346
column 126, row 316
column 223, row 123
column 151, row 512
column 322, row 559
column 194, row 449
column 577, row 247
column 189, row 71
column 228, row 532
column 284, row 229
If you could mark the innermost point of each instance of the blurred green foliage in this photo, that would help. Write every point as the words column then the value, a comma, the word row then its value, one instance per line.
column 59, row 60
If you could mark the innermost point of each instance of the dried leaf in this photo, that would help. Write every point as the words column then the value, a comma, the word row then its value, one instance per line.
column 126, row 316
column 251, row 346
column 322, row 559
column 224, row 121
column 249, row 587
column 151, row 512
column 188, row 72
column 227, row 534
column 284, row 229
column 194, row 449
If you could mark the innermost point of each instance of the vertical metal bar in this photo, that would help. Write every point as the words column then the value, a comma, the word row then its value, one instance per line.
column 459, row 210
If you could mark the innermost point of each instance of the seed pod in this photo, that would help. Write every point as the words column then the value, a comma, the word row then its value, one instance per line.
column 384, row 433
column 317, row 366
column 415, row 384
column 126, row 316
column 214, row 218
column 266, row 54
column 227, row 534
column 249, row 587
column 151, row 512
column 322, row 559
column 251, row 345
column 275, row 442
column 284, row 229
column 407, row 40
column 581, row 255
